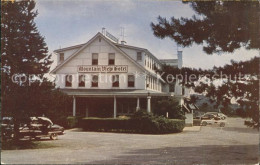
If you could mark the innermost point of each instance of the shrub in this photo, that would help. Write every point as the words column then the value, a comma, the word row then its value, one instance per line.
column 72, row 121
column 196, row 122
column 141, row 122
column 168, row 105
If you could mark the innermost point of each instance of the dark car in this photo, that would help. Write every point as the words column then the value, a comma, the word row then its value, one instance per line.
column 7, row 128
column 34, row 127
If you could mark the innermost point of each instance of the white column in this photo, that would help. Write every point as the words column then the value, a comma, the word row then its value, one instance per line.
column 74, row 106
column 86, row 111
column 138, row 104
column 148, row 104
column 114, row 106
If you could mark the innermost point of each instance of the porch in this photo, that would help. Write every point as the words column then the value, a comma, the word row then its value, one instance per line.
column 110, row 102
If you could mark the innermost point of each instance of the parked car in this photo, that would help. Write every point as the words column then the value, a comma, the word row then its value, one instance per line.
column 34, row 127
column 221, row 115
column 210, row 119
column 7, row 128
column 212, row 115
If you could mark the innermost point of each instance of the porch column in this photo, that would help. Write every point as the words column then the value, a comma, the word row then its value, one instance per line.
column 114, row 106
column 74, row 106
column 86, row 111
column 148, row 104
column 138, row 104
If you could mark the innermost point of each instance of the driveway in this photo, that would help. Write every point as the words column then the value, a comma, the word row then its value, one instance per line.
column 234, row 144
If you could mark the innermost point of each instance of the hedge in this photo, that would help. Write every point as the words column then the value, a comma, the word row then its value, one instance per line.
column 196, row 122
column 72, row 121
column 154, row 125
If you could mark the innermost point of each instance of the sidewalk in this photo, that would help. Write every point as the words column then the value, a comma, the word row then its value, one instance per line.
column 192, row 129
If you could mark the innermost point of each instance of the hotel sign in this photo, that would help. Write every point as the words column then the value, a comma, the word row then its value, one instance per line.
column 103, row 69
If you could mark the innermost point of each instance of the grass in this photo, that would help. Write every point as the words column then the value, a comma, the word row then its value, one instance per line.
column 24, row 144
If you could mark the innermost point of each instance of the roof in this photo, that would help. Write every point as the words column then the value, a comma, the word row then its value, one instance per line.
column 113, row 92
column 68, row 48
column 168, row 60
column 86, row 44
column 115, row 45
column 139, row 48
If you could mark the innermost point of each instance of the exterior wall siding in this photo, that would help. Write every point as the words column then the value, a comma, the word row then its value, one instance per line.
column 85, row 58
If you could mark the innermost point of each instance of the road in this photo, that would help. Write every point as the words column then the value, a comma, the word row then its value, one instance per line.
column 234, row 144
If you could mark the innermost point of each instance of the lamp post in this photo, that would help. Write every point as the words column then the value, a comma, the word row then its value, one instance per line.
column 148, row 102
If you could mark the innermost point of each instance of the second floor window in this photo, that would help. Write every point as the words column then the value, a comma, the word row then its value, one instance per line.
column 131, row 81
column 139, row 56
column 111, row 59
column 94, row 59
column 81, row 81
column 68, row 80
column 115, row 81
column 94, row 82
column 61, row 57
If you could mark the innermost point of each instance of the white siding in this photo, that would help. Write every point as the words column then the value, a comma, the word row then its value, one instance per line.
column 85, row 58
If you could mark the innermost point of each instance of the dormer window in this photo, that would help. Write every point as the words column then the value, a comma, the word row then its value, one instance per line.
column 61, row 57
column 139, row 56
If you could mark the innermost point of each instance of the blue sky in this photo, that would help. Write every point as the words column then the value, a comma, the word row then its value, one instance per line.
column 66, row 23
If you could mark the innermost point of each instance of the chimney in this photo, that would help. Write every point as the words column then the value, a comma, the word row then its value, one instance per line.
column 179, row 54
column 104, row 31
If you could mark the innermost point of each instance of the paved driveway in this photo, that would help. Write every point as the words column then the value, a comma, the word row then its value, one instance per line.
column 234, row 144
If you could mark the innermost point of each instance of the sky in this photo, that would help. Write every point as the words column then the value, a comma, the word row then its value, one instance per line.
column 66, row 23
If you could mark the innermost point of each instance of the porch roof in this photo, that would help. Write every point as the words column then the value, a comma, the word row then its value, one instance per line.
column 113, row 92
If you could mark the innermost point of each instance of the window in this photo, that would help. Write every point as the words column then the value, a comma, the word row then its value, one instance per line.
column 94, row 82
column 68, row 80
column 81, row 81
column 94, row 59
column 111, row 59
column 115, row 81
column 139, row 56
column 61, row 57
column 131, row 81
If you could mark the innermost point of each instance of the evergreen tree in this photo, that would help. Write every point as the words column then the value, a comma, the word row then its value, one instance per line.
column 25, row 59
column 220, row 26
column 240, row 80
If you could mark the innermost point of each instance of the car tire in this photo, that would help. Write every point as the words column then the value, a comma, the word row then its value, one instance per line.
column 53, row 136
column 204, row 123
column 223, row 118
column 222, row 124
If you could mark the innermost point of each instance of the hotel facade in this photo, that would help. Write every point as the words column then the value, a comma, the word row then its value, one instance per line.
column 109, row 79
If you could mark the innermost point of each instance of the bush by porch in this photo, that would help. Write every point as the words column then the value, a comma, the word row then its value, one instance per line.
column 141, row 122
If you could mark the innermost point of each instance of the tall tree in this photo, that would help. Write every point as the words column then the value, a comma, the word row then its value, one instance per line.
column 220, row 26
column 25, row 58
column 239, row 81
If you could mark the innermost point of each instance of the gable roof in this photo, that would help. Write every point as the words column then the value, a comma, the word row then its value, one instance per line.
column 83, row 46
column 141, row 49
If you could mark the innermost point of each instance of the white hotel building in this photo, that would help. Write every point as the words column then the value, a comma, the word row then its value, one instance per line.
column 110, row 79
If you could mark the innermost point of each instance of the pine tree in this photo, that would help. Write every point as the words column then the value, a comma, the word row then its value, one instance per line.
column 220, row 26
column 24, row 55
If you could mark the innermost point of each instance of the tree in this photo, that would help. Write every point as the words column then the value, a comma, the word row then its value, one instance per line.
column 220, row 26
column 239, row 81
column 168, row 105
column 25, row 60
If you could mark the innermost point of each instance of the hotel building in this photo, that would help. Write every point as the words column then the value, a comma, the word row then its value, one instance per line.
column 109, row 79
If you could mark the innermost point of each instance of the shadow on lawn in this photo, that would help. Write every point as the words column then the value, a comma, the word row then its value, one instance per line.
column 206, row 154
column 25, row 144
